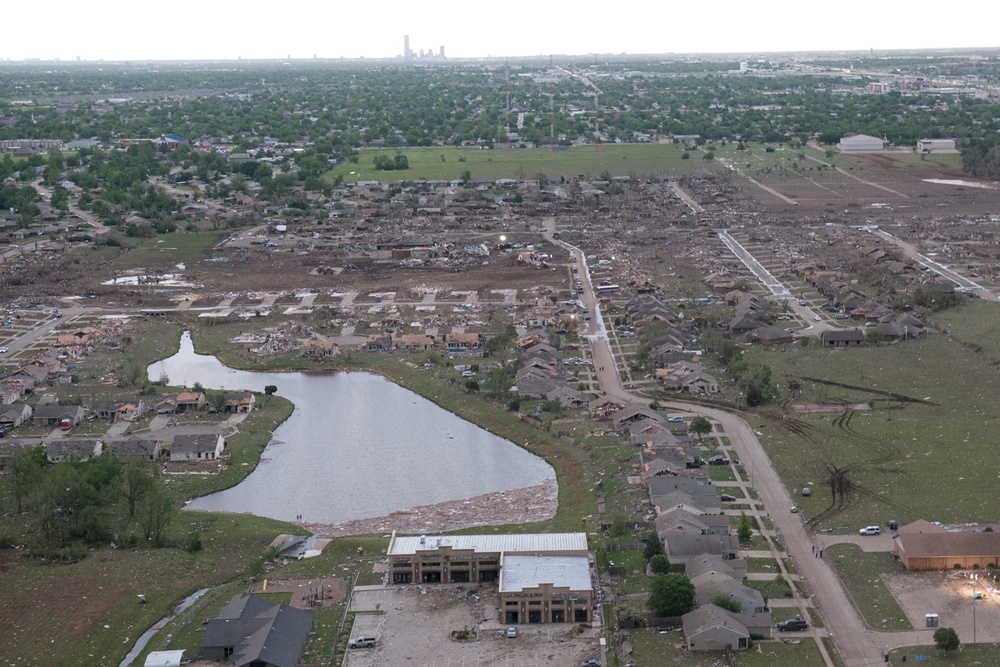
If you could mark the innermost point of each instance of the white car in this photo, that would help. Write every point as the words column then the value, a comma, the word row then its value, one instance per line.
column 870, row 530
column 511, row 632
column 3, row 350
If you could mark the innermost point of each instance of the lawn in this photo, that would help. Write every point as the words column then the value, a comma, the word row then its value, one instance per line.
column 187, row 248
column 87, row 613
column 968, row 655
column 449, row 163
column 903, row 459
column 654, row 648
column 861, row 573
column 776, row 588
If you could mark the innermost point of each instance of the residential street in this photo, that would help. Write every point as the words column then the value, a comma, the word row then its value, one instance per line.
column 864, row 647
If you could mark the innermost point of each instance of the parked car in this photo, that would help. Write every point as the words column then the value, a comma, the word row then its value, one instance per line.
column 3, row 350
column 870, row 530
column 590, row 663
column 675, row 420
column 726, row 498
column 718, row 460
column 361, row 642
column 802, row 302
column 793, row 624
column 511, row 632
column 841, row 316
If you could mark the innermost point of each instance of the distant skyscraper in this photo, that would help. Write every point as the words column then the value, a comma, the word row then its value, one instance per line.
column 442, row 52
column 407, row 54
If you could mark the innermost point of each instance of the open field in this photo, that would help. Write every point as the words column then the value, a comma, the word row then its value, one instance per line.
column 904, row 459
column 642, row 160
column 87, row 613
column 862, row 573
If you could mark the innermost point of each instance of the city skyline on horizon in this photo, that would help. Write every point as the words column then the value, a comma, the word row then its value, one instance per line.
column 98, row 31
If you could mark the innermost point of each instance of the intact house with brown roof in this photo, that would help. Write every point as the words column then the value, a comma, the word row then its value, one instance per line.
column 415, row 342
column 841, row 338
column 65, row 416
column 197, row 447
column 926, row 546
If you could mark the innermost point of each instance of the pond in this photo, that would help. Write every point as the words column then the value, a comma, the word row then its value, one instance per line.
column 356, row 446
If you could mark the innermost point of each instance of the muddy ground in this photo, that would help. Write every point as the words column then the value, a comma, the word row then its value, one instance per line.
column 414, row 626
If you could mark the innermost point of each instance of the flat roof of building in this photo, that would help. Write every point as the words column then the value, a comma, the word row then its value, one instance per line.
column 539, row 543
column 520, row 572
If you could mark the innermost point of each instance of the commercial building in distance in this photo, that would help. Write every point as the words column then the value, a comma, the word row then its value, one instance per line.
column 861, row 142
column 936, row 145
column 541, row 578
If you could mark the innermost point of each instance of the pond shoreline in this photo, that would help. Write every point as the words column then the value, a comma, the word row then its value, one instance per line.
column 512, row 506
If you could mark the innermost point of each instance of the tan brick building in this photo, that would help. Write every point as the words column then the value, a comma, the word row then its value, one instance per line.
column 543, row 578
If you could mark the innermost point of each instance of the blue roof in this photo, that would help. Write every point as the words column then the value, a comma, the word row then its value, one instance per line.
column 175, row 137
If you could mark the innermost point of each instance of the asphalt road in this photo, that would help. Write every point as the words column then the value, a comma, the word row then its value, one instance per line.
column 857, row 644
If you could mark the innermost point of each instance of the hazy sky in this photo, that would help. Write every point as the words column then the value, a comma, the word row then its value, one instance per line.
column 209, row 29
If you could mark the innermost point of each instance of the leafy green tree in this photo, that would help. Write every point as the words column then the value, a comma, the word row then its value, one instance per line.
column 659, row 564
column 671, row 595
column 59, row 199
column 630, row 616
column 137, row 480
column 156, row 513
column 216, row 400
column 653, row 545
column 744, row 530
column 727, row 602
column 24, row 472
column 946, row 639
column 255, row 568
column 270, row 390
column 700, row 426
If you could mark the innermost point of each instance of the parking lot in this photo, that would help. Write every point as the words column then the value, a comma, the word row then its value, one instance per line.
column 413, row 625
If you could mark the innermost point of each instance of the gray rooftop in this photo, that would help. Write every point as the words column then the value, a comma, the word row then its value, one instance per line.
column 520, row 572
column 404, row 545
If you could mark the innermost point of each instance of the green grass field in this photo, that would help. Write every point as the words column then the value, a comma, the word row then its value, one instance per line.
column 861, row 573
column 449, row 163
column 904, row 459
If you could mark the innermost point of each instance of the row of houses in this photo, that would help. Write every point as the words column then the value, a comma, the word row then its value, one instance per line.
column 694, row 531
column 67, row 416
column 454, row 343
column 182, row 448
column 542, row 373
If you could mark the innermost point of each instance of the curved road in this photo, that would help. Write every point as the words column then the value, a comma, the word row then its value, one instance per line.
column 858, row 645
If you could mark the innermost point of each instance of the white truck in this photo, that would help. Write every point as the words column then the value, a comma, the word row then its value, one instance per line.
column 361, row 642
